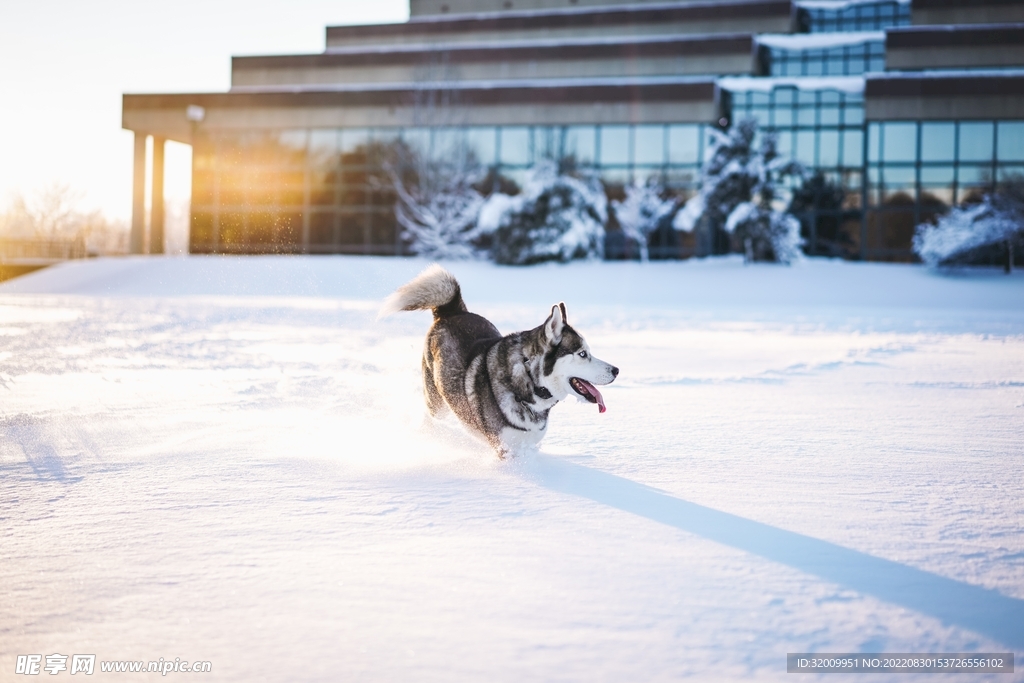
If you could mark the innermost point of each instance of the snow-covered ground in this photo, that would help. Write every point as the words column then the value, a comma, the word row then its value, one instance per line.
column 224, row 459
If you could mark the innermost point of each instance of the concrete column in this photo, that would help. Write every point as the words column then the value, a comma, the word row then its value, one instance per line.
column 137, row 240
column 156, row 217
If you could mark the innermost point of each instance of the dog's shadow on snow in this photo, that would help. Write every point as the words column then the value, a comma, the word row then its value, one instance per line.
column 984, row 611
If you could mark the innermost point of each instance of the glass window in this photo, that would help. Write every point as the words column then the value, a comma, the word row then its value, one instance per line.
column 386, row 136
column 232, row 188
column 1011, row 141
column 482, row 142
column 580, row 142
column 851, row 181
column 762, row 116
column 264, row 185
column 976, row 141
column 201, row 230
column 936, row 198
column 353, row 139
column 616, row 176
column 547, row 142
column 351, row 228
column 805, row 147
column 828, row 150
column 894, row 176
column 829, row 116
column 321, row 228
column 293, row 145
column 681, row 179
column 649, row 144
column 232, row 228
column 683, row 144
column 643, row 173
column 874, row 142
column 853, row 114
column 515, row 146
column 251, row 148
column 202, row 187
column 614, row 145
column 322, row 188
column 1010, row 172
column 973, row 181
column 782, row 116
column 418, row 140
column 974, row 175
column 516, row 175
column 900, row 142
column 970, row 193
column 853, row 148
column 937, row 175
column 323, row 142
column 785, row 143
column 806, row 116
column 784, row 96
column 290, row 188
column 874, row 176
column 449, row 144
column 937, row 141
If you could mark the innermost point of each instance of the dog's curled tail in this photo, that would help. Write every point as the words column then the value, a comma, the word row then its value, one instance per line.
column 435, row 289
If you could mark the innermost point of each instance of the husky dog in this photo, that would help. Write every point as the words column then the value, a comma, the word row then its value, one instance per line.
column 502, row 388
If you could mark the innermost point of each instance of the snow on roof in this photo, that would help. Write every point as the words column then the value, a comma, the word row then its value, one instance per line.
column 808, row 41
column 848, row 84
column 839, row 5
column 951, row 73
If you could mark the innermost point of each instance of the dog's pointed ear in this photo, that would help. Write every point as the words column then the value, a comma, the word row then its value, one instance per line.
column 561, row 307
column 554, row 325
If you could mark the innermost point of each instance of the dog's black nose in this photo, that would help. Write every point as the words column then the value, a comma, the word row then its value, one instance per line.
column 615, row 371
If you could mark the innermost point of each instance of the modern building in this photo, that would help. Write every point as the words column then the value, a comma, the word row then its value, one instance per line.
column 904, row 108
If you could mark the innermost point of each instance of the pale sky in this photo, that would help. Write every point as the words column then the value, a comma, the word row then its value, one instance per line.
column 64, row 65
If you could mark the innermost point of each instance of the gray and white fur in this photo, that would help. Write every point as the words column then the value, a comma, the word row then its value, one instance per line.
column 501, row 387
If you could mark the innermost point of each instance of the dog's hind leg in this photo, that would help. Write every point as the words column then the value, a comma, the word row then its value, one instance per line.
column 435, row 402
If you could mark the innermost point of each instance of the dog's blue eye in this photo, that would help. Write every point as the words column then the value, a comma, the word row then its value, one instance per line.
column 583, row 354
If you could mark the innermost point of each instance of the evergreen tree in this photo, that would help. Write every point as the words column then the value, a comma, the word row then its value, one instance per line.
column 642, row 212
column 741, row 184
column 556, row 217
column 818, row 205
column 979, row 232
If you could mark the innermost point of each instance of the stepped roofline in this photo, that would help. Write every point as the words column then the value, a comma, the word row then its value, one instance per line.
column 547, row 102
column 612, row 18
column 645, row 46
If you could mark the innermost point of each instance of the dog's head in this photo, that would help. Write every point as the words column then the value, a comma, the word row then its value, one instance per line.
column 566, row 365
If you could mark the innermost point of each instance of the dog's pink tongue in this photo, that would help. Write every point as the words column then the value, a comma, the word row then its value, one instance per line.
column 599, row 399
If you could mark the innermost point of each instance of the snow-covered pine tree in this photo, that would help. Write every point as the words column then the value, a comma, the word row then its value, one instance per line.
column 740, row 186
column 556, row 217
column 997, row 222
column 642, row 211
column 818, row 205
column 439, row 210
